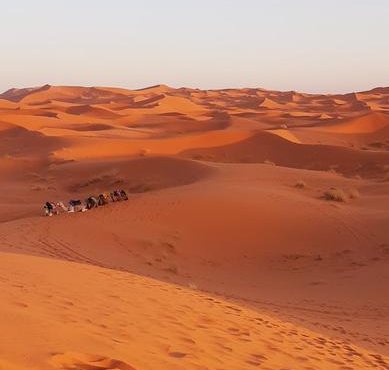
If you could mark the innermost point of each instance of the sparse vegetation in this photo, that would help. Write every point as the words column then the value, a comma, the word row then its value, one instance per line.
column 339, row 195
column 335, row 194
column 300, row 184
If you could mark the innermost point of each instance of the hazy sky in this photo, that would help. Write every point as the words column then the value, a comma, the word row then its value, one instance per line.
column 309, row 45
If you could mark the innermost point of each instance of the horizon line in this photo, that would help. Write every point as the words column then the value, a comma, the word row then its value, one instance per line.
column 48, row 85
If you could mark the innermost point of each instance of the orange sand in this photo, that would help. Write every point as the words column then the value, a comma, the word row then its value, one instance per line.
column 218, row 260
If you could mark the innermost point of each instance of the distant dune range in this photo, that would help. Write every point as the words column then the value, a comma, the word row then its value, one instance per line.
column 231, row 252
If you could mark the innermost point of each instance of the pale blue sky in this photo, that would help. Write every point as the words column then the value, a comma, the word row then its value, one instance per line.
column 308, row 45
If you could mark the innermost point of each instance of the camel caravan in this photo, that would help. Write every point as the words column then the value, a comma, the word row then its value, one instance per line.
column 51, row 208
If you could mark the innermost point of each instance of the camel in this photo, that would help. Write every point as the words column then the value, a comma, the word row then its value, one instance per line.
column 76, row 206
column 118, row 195
column 91, row 202
column 60, row 207
column 103, row 199
column 114, row 197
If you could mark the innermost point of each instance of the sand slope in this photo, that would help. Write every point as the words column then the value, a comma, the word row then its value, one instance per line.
column 226, row 256
column 267, row 147
column 84, row 317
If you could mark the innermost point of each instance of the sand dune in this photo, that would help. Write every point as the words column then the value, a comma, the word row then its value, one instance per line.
column 265, row 146
column 369, row 131
column 17, row 141
column 286, row 134
column 228, row 254
column 6, row 104
column 90, row 111
column 365, row 124
column 270, row 104
column 156, row 89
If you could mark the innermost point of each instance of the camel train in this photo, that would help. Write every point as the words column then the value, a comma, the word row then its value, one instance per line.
column 76, row 205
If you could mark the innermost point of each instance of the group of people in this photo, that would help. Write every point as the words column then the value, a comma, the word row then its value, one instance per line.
column 76, row 205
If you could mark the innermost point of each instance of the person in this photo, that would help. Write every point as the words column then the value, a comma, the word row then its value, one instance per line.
column 103, row 199
column 48, row 209
column 123, row 195
column 117, row 195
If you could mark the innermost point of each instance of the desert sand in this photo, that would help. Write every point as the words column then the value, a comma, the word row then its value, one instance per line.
column 229, row 254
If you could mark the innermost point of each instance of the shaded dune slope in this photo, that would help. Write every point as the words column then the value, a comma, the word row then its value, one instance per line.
column 136, row 175
column 265, row 146
column 18, row 141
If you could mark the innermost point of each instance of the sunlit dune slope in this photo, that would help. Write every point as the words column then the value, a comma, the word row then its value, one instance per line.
column 85, row 317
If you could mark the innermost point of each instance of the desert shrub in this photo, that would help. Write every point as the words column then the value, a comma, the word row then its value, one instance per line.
column 335, row 194
column 300, row 184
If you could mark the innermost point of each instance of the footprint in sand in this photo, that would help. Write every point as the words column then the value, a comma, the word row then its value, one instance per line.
column 177, row 354
column 81, row 361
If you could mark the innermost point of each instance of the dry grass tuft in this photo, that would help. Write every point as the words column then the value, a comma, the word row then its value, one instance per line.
column 300, row 184
column 335, row 194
